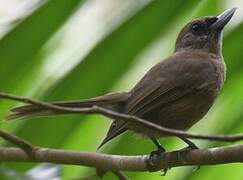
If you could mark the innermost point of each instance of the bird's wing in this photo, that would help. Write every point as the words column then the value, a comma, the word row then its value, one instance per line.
column 155, row 97
column 179, row 77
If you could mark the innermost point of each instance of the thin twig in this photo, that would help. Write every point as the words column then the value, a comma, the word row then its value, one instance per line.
column 21, row 143
column 122, row 116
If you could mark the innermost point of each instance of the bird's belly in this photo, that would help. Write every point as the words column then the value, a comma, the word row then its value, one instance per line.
column 180, row 114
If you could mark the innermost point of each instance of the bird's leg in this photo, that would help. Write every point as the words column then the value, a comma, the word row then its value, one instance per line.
column 155, row 153
column 158, row 145
column 191, row 145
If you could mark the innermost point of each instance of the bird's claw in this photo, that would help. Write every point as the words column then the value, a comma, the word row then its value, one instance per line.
column 153, row 156
column 156, row 152
column 164, row 172
column 190, row 147
column 196, row 168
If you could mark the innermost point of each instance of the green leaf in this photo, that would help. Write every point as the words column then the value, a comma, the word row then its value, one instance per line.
column 19, row 47
column 232, row 52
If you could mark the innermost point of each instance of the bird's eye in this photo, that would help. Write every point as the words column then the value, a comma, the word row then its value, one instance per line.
column 195, row 27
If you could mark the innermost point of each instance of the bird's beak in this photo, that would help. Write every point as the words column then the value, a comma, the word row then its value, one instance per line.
column 223, row 19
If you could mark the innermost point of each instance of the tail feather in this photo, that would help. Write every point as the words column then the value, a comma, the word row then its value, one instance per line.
column 117, row 127
column 108, row 138
column 24, row 115
column 113, row 101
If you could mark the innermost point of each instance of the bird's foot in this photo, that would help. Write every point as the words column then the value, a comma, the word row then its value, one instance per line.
column 157, row 152
column 152, row 158
column 190, row 146
column 164, row 172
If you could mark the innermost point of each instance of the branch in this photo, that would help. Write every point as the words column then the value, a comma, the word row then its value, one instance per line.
column 125, row 117
column 116, row 163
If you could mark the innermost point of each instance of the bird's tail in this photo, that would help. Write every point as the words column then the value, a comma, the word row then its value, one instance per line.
column 113, row 101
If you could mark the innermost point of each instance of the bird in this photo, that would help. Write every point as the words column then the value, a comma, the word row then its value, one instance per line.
column 175, row 93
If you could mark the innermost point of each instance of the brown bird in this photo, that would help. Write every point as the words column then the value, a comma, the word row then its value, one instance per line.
column 176, row 93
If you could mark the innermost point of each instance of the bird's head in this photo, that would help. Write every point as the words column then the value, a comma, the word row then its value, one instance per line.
column 204, row 34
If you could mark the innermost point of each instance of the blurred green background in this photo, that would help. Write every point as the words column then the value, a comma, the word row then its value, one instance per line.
column 59, row 49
